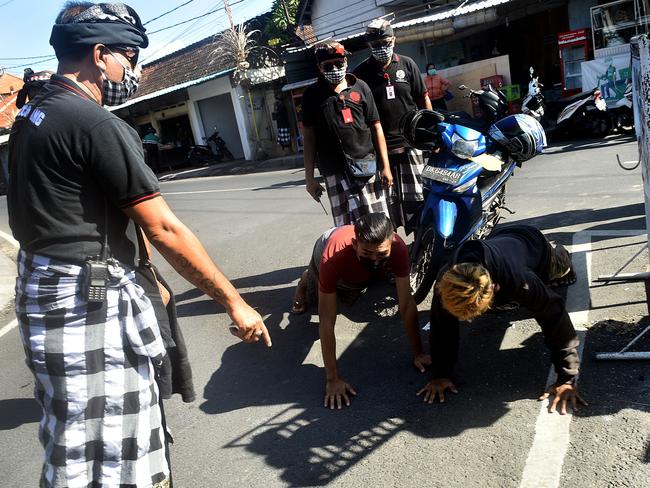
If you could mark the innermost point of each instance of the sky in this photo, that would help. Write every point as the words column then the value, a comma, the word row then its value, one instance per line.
column 27, row 25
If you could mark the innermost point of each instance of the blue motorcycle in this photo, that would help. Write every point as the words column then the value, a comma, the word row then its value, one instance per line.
column 464, row 184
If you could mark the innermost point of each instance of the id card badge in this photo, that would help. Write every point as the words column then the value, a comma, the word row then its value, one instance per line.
column 347, row 115
column 390, row 92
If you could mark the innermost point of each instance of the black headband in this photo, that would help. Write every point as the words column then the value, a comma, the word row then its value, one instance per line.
column 108, row 24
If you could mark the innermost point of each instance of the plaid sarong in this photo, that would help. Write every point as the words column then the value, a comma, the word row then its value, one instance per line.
column 406, row 193
column 284, row 136
column 93, row 367
column 350, row 198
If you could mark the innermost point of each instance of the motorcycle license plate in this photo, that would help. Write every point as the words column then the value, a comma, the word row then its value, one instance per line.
column 443, row 175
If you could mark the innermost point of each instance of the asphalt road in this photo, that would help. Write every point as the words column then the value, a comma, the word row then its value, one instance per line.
column 258, row 420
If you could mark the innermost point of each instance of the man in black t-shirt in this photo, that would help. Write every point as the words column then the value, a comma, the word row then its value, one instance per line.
column 341, row 130
column 79, row 183
column 514, row 264
column 398, row 88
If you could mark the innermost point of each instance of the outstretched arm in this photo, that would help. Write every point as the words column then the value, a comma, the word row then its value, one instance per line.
column 443, row 341
column 181, row 248
column 335, row 388
column 409, row 313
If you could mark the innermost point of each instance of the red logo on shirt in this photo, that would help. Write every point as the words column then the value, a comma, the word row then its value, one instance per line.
column 355, row 97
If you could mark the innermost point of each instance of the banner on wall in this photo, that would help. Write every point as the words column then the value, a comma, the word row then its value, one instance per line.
column 610, row 75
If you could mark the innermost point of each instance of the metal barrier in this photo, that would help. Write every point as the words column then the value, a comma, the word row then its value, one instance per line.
column 640, row 52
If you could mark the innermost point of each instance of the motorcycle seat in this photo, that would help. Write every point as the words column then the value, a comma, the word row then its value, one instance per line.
column 464, row 119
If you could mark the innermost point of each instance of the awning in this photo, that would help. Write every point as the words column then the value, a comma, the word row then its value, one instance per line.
column 171, row 89
column 464, row 9
column 298, row 84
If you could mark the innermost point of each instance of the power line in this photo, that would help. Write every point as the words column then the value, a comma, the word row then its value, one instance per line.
column 30, row 64
column 168, row 12
column 191, row 30
column 26, row 57
column 6, row 3
column 193, row 18
column 174, row 38
column 210, row 12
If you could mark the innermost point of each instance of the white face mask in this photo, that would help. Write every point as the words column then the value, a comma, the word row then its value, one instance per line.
column 336, row 75
column 116, row 93
column 382, row 54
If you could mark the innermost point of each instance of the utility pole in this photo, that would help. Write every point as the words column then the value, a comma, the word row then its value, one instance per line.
column 226, row 6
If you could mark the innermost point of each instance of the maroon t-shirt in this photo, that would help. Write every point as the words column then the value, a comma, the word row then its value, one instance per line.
column 340, row 263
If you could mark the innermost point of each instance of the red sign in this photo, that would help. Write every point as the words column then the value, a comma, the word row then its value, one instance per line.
column 571, row 36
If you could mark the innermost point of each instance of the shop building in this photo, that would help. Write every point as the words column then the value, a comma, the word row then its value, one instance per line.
column 186, row 96
column 471, row 41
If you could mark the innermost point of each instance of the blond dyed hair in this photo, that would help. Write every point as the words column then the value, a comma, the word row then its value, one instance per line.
column 466, row 290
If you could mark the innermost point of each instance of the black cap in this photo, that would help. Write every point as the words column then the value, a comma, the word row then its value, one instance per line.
column 379, row 29
column 329, row 50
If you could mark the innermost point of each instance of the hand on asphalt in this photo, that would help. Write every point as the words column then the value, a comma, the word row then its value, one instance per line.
column 248, row 325
column 421, row 361
column 315, row 189
column 563, row 393
column 386, row 177
column 437, row 386
column 336, row 392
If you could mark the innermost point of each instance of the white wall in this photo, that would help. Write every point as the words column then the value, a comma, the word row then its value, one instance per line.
column 211, row 89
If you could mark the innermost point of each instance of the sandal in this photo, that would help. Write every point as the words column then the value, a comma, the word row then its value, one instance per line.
column 299, row 307
column 567, row 280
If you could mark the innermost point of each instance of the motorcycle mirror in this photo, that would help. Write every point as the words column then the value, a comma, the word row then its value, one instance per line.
column 462, row 87
column 531, row 70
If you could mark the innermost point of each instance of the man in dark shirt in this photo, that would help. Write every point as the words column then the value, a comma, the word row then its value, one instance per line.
column 344, row 261
column 515, row 264
column 79, row 183
column 398, row 88
column 341, row 127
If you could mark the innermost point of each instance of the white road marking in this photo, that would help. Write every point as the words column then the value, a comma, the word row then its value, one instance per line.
column 10, row 326
column 14, row 323
column 543, row 467
column 170, row 180
column 9, row 239
column 226, row 190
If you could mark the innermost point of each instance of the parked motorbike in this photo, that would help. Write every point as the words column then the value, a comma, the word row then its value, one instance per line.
column 464, row 183
column 203, row 153
column 622, row 113
column 584, row 114
column 492, row 103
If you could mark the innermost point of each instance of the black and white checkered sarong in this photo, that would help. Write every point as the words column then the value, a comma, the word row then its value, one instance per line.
column 94, row 377
column 406, row 193
column 284, row 136
column 350, row 198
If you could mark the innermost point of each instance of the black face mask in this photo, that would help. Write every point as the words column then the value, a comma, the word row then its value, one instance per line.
column 371, row 265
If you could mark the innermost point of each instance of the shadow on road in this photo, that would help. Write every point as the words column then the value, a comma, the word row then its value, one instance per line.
column 312, row 445
column 626, row 217
column 564, row 145
column 18, row 411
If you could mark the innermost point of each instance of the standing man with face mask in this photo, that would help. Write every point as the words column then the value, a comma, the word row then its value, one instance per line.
column 344, row 137
column 397, row 87
column 79, row 183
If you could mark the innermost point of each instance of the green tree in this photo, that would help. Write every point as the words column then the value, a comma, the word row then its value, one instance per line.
column 280, row 30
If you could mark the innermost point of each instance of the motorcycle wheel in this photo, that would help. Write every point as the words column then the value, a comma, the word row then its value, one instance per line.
column 425, row 263
column 599, row 126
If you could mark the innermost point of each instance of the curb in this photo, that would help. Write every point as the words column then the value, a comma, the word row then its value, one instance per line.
column 236, row 168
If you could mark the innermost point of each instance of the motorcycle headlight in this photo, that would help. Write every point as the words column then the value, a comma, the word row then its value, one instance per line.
column 464, row 149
